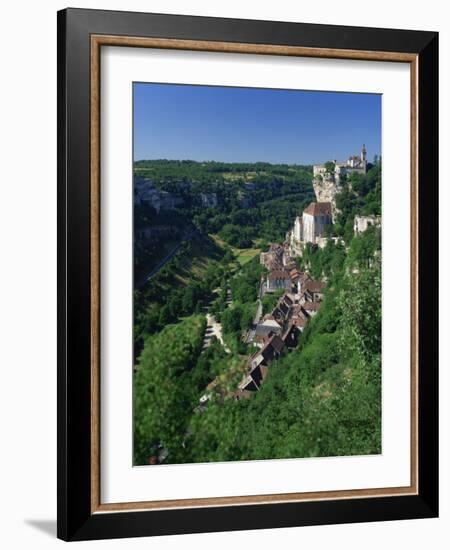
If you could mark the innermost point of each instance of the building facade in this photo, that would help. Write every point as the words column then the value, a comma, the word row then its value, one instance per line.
column 354, row 164
column 361, row 223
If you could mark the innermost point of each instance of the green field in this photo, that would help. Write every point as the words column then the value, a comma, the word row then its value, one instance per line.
column 242, row 255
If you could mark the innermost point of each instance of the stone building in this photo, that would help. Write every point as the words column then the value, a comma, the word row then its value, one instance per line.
column 309, row 309
column 361, row 223
column 327, row 184
column 310, row 227
column 314, row 221
column 260, row 362
column 278, row 279
column 274, row 258
column 298, row 228
column 267, row 328
column 314, row 290
column 354, row 164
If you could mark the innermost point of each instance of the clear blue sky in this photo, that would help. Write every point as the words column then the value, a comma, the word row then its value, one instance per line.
column 248, row 125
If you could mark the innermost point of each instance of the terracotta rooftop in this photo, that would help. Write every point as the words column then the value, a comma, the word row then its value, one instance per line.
column 319, row 209
column 311, row 306
column 279, row 274
column 275, row 247
column 295, row 310
column 286, row 301
column 276, row 342
column 314, row 286
column 295, row 273
column 298, row 321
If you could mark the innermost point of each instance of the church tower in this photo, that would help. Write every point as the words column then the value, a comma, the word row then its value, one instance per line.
column 363, row 153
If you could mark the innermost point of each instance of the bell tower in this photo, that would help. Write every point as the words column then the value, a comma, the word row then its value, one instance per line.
column 363, row 153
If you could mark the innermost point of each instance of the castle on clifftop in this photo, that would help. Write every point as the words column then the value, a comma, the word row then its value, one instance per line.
column 354, row 164
column 327, row 177
column 311, row 226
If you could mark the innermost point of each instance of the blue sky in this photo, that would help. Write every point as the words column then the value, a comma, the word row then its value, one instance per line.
column 248, row 125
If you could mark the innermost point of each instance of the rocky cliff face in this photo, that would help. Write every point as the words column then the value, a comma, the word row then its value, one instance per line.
column 326, row 190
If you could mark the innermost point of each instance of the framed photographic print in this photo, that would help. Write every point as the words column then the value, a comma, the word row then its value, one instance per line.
column 247, row 274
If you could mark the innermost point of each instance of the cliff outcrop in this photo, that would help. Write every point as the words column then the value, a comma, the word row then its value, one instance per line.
column 326, row 188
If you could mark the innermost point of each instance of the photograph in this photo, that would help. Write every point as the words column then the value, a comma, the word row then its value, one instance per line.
column 229, row 271
column 247, row 292
column 257, row 273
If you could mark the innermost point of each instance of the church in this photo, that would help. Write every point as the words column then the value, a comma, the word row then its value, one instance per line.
column 311, row 226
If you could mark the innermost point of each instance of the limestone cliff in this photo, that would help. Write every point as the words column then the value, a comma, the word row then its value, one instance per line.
column 326, row 189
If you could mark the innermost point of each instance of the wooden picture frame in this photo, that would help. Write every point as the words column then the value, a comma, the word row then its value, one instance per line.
column 81, row 35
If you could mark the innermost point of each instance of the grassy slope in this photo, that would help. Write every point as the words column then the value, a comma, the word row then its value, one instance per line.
column 243, row 255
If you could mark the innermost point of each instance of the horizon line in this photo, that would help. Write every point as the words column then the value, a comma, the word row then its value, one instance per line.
column 204, row 161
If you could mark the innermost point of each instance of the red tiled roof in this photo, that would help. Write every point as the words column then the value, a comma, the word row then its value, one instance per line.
column 277, row 343
column 279, row 274
column 319, row 209
column 299, row 322
column 311, row 306
column 314, row 286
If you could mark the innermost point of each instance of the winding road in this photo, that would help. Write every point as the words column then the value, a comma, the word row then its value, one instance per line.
column 213, row 328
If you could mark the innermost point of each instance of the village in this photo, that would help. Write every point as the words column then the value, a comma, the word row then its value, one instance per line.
column 279, row 330
column 257, row 273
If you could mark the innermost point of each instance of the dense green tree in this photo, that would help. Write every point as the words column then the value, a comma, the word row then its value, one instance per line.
column 163, row 391
column 231, row 319
column 329, row 167
column 269, row 301
column 363, row 247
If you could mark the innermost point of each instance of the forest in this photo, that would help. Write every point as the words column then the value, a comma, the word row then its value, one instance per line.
column 253, row 200
column 321, row 399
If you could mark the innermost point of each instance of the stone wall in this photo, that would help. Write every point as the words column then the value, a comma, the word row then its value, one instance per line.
column 326, row 190
column 298, row 229
column 361, row 223
column 308, row 228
